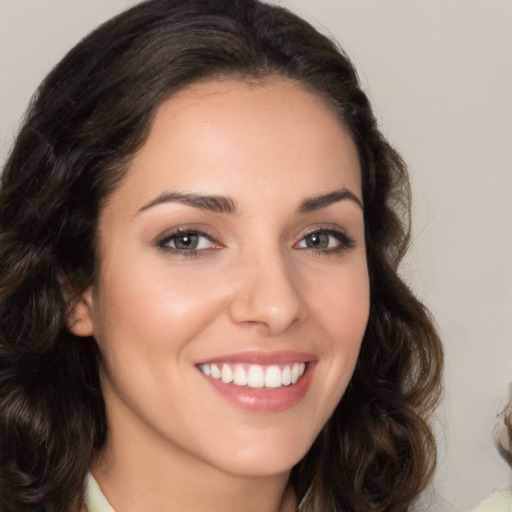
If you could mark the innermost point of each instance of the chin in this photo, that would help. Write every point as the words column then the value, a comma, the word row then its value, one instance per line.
column 259, row 461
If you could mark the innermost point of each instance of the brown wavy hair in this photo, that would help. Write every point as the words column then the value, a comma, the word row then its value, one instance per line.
column 84, row 124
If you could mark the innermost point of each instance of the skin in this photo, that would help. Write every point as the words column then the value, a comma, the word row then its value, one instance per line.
column 254, row 285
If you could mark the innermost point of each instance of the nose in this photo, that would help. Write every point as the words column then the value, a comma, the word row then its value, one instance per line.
column 267, row 294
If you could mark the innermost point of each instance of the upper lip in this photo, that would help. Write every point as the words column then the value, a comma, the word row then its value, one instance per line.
column 261, row 358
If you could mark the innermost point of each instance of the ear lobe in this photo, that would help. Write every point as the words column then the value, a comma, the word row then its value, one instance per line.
column 80, row 320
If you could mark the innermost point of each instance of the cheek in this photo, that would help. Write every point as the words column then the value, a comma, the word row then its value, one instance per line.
column 341, row 308
column 153, row 310
column 341, row 302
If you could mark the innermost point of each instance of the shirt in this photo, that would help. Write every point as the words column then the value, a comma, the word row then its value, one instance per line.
column 95, row 501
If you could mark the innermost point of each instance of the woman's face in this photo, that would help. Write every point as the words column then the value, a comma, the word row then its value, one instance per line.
column 232, row 293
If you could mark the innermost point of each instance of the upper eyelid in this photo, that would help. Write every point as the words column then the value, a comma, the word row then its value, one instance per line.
column 185, row 231
column 329, row 231
column 180, row 230
column 329, row 227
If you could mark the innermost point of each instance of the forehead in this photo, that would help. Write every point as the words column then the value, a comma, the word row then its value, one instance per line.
column 218, row 136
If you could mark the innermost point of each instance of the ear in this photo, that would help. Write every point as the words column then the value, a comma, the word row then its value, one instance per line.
column 80, row 319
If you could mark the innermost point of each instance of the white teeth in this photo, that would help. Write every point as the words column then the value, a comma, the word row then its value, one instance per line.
column 295, row 373
column 273, row 377
column 240, row 376
column 255, row 375
column 205, row 368
column 287, row 375
column 215, row 372
column 226, row 374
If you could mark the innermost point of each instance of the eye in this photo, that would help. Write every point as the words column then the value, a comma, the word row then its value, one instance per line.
column 187, row 242
column 326, row 240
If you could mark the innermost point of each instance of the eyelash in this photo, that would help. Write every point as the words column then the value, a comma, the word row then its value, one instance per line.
column 163, row 244
column 345, row 242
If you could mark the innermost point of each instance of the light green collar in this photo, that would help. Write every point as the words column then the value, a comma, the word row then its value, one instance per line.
column 95, row 501
column 498, row 501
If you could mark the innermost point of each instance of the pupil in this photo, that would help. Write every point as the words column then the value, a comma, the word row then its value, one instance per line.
column 318, row 240
column 186, row 242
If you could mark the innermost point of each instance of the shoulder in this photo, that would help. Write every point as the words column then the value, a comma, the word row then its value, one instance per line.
column 498, row 501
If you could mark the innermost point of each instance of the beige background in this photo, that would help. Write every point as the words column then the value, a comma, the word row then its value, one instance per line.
column 439, row 73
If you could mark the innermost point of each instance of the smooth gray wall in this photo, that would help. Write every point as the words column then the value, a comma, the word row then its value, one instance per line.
column 439, row 73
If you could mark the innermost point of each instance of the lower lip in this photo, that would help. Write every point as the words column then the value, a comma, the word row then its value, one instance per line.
column 263, row 399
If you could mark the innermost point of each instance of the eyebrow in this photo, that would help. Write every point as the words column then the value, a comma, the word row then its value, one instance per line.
column 223, row 204
column 216, row 204
column 324, row 200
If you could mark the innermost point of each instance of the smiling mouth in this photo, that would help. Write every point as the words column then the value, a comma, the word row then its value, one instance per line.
column 255, row 375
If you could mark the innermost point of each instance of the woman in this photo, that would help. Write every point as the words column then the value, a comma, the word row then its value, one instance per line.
column 201, row 228
column 501, row 500
column 505, row 447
